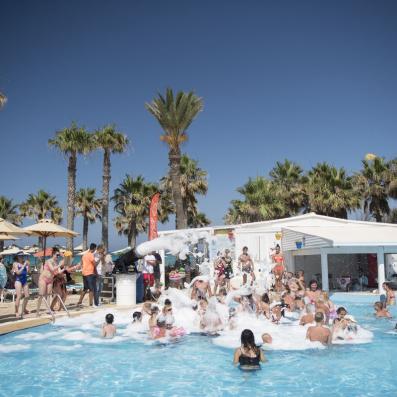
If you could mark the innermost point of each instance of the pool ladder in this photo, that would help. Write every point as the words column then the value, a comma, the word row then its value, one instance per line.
column 49, row 307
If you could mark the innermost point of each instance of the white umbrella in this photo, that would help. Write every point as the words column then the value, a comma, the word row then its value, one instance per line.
column 47, row 228
column 4, row 237
column 11, row 251
column 8, row 228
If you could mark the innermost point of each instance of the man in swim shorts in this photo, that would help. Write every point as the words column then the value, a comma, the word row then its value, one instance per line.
column 246, row 265
column 319, row 333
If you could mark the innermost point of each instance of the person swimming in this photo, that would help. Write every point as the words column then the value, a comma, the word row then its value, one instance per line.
column 108, row 329
column 137, row 317
column 248, row 356
column 319, row 333
column 381, row 311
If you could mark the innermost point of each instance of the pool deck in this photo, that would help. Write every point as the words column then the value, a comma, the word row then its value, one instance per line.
column 8, row 322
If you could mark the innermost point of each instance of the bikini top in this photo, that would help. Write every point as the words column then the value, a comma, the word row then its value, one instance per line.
column 249, row 361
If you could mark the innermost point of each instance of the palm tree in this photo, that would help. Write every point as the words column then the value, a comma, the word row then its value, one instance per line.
column 376, row 182
column 3, row 100
column 175, row 114
column 110, row 141
column 132, row 202
column 288, row 178
column 197, row 220
column 40, row 206
column 330, row 191
column 71, row 142
column 262, row 201
column 89, row 207
column 193, row 181
column 8, row 212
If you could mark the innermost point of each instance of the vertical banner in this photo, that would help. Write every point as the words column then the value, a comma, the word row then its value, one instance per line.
column 153, row 216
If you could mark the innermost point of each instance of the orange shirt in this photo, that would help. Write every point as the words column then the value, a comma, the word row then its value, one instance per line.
column 88, row 263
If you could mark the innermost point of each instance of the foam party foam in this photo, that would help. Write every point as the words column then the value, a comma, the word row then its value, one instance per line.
column 177, row 244
column 287, row 335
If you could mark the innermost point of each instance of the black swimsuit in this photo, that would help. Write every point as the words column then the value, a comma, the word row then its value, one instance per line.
column 251, row 362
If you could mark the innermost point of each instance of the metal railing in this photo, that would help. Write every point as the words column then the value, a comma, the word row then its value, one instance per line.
column 49, row 306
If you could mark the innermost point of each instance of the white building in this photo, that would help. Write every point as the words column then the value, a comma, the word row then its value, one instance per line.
column 330, row 249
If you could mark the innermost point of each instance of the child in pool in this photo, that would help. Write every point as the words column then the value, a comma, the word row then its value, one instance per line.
column 380, row 311
column 108, row 329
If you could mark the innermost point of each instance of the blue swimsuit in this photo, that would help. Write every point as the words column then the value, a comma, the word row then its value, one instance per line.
column 23, row 277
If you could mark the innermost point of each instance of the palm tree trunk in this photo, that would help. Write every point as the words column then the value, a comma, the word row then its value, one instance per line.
column 175, row 173
column 132, row 234
column 1, row 245
column 105, row 198
column 85, row 233
column 71, row 197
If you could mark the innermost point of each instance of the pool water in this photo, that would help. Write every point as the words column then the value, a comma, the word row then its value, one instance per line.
column 68, row 359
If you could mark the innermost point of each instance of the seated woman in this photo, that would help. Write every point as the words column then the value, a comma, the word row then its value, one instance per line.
column 381, row 311
column 248, row 356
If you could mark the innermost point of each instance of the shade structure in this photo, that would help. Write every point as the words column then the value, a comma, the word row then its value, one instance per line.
column 4, row 237
column 8, row 228
column 11, row 251
column 47, row 228
column 48, row 252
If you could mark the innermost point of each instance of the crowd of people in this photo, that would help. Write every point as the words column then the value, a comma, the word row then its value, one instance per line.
column 289, row 293
column 95, row 264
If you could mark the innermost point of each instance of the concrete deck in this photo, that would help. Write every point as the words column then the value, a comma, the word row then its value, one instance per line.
column 9, row 323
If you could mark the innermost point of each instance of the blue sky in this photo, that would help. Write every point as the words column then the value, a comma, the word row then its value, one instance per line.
column 305, row 80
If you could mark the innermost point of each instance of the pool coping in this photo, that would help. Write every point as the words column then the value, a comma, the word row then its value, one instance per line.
column 26, row 323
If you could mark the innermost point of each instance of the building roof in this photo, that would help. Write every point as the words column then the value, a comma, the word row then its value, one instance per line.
column 348, row 234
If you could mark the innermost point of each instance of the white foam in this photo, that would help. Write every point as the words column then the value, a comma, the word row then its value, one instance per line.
column 13, row 348
column 177, row 244
column 65, row 348
column 37, row 335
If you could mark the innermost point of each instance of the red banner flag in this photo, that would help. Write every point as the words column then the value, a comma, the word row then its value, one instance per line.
column 153, row 216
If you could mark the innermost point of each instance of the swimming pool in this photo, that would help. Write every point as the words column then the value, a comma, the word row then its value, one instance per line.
column 69, row 359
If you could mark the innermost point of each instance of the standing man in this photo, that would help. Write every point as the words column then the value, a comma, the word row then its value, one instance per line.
column 156, row 269
column 99, row 256
column 149, row 261
column 246, row 266
column 89, row 276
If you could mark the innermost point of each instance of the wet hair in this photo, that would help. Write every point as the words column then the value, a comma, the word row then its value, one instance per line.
column 248, row 340
column 340, row 310
column 318, row 317
column 161, row 322
column 154, row 309
column 109, row 318
column 378, row 305
column 167, row 302
column 313, row 282
column 136, row 316
column 245, row 248
column 265, row 298
column 92, row 247
column 222, row 291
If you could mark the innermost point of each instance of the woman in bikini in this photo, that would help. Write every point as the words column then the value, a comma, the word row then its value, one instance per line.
column 20, row 270
column 46, row 279
column 219, row 266
column 279, row 269
column 248, row 356
column 390, row 295
column 246, row 266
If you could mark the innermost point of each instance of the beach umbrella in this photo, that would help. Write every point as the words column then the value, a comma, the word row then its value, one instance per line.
column 4, row 237
column 11, row 251
column 47, row 228
column 8, row 228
